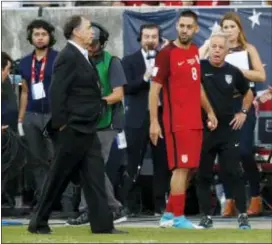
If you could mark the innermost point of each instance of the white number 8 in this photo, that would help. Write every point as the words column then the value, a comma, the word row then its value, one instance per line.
column 194, row 73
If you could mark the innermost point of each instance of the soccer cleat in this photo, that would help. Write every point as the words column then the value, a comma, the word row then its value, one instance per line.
column 183, row 223
column 243, row 222
column 206, row 222
column 167, row 220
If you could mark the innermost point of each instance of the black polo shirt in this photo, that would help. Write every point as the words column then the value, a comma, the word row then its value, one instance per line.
column 220, row 83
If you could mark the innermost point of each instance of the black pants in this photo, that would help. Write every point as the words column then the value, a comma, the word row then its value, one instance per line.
column 251, row 171
column 223, row 142
column 76, row 153
column 137, row 141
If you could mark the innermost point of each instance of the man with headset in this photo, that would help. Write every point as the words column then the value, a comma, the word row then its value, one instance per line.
column 138, row 69
column 111, row 125
column 36, row 69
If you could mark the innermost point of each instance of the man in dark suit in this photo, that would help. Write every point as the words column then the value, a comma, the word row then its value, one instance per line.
column 76, row 108
column 138, row 69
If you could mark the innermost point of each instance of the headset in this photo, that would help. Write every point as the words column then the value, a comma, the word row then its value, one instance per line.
column 149, row 26
column 103, row 34
column 39, row 23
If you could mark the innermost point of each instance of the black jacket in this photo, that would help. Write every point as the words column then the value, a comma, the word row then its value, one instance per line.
column 75, row 94
column 136, row 90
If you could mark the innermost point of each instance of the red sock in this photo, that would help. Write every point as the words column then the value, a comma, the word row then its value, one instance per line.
column 178, row 204
column 169, row 207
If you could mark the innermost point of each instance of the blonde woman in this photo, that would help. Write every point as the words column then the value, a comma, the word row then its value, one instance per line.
column 231, row 24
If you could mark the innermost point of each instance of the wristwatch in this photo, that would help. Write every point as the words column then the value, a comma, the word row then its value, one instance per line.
column 244, row 111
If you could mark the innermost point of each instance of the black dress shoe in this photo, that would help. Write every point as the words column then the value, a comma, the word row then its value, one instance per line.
column 115, row 231
column 39, row 230
column 112, row 231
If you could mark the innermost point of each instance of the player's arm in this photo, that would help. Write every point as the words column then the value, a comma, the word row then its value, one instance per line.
column 154, row 93
column 205, row 104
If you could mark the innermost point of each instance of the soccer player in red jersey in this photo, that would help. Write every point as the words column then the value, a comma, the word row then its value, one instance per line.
column 177, row 71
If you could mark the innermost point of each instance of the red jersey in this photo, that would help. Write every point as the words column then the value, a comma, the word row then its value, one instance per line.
column 178, row 71
column 211, row 3
column 139, row 3
column 172, row 3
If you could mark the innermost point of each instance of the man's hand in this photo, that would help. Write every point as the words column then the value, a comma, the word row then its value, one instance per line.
column 148, row 75
column 238, row 121
column 155, row 132
column 212, row 122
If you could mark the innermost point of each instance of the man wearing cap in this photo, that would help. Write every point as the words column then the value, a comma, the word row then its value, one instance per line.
column 111, row 124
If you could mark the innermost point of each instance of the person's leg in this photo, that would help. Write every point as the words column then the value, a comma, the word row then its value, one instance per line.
column 249, row 164
column 205, row 180
column 251, row 171
column 229, row 209
column 92, row 171
column 229, row 157
column 137, row 140
column 106, row 138
column 183, row 150
column 161, row 175
column 37, row 160
column 71, row 147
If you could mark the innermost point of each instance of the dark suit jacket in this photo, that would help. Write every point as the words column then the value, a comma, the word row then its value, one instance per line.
column 136, row 90
column 75, row 94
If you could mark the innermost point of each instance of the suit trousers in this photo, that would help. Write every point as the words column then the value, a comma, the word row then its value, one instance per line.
column 137, row 141
column 76, row 152
column 40, row 149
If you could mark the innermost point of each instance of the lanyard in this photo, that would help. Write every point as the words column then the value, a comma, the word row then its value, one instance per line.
column 41, row 76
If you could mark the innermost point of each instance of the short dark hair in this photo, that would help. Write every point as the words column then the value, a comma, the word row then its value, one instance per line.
column 189, row 13
column 40, row 23
column 72, row 23
column 5, row 58
column 148, row 26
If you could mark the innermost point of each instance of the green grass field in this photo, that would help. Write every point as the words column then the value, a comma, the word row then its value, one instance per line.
column 136, row 235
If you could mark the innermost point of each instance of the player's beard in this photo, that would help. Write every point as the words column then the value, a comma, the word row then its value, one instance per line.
column 186, row 41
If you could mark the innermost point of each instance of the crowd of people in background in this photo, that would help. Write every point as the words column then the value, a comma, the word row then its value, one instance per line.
column 16, row 4
column 131, row 83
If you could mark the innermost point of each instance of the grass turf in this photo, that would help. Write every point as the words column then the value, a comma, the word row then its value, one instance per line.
column 147, row 235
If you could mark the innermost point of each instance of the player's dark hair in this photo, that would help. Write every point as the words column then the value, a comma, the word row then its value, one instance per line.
column 189, row 13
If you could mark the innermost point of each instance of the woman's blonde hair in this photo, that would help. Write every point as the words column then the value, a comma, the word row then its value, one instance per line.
column 235, row 17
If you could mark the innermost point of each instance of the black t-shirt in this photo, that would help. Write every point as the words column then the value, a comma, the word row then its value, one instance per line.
column 220, row 84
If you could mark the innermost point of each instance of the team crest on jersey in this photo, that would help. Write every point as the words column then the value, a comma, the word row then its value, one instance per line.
column 184, row 158
column 228, row 79
column 191, row 61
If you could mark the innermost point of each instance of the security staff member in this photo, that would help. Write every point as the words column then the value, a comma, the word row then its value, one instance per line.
column 219, row 80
